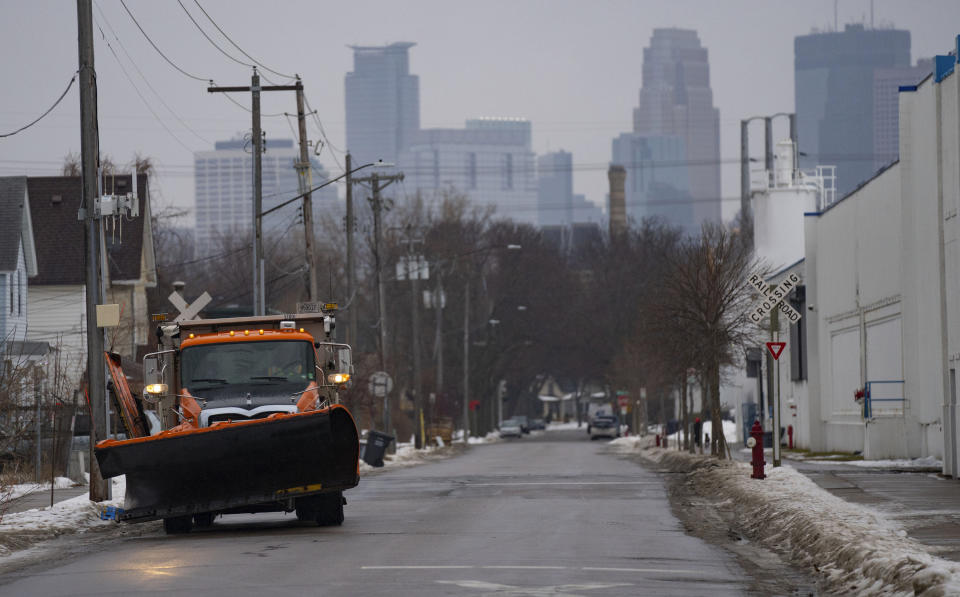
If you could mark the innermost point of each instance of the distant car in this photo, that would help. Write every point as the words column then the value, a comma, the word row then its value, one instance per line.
column 524, row 423
column 538, row 425
column 511, row 428
column 604, row 426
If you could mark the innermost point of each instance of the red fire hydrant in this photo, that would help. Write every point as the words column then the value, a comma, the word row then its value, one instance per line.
column 756, row 443
column 658, row 440
column 790, row 435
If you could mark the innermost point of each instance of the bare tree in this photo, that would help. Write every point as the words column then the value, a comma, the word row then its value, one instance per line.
column 706, row 297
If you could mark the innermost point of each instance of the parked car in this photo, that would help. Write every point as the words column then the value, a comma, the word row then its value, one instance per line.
column 538, row 425
column 511, row 428
column 604, row 426
column 524, row 423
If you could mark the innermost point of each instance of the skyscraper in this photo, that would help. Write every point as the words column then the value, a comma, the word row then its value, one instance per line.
column 555, row 189
column 676, row 101
column 886, row 108
column 383, row 103
column 834, row 87
column 658, row 179
column 223, row 181
column 490, row 161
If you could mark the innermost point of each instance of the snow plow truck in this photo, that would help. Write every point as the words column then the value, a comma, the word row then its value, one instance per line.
column 246, row 418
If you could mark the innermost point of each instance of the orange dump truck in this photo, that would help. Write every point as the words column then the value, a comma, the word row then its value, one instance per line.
column 250, row 421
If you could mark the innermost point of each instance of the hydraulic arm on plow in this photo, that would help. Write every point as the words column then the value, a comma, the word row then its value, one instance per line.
column 249, row 421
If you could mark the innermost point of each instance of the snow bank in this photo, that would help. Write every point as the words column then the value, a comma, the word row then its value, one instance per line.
column 492, row 437
column 857, row 549
column 730, row 432
column 78, row 514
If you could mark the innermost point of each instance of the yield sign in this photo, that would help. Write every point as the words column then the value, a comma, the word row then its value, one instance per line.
column 776, row 349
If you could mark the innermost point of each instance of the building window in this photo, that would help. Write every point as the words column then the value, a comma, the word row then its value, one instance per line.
column 471, row 170
column 508, row 171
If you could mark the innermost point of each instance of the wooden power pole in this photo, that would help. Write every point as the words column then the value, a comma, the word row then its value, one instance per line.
column 89, row 159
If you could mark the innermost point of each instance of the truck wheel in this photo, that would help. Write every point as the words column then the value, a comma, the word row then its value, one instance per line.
column 203, row 519
column 177, row 525
column 330, row 512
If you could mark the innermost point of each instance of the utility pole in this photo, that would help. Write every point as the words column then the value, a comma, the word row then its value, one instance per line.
column 351, row 274
column 414, row 273
column 306, row 183
column 259, row 286
column 89, row 158
column 376, row 204
column 259, row 292
column 438, row 304
column 466, row 360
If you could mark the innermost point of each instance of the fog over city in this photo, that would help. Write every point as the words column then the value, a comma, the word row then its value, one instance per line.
column 572, row 68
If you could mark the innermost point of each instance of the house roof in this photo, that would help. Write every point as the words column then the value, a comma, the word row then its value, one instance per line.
column 15, row 225
column 55, row 202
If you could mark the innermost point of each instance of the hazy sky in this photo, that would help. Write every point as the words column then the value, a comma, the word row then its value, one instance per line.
column 572, row 67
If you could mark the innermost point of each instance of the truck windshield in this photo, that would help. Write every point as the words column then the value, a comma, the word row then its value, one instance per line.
column 247, row 363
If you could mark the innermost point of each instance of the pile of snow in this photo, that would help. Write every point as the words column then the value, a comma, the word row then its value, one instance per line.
column 489, row 438
column 730, row 432
column 78, row 514
column 408, row 455
column 858, row 550
column 12, row 492
column 631, row 443
column 563, row 426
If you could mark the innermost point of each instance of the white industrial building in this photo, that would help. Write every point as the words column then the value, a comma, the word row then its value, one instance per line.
column 881, row 302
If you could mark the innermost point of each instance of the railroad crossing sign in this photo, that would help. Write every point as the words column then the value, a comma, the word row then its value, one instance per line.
column 773, row 298
column 188, row 312
column 380, row 384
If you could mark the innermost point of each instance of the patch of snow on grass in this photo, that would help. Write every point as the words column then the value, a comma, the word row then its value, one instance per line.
column 928, row 462
column 22, row 489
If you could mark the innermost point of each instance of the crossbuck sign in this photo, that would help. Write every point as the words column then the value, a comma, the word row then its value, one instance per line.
column 773, row 298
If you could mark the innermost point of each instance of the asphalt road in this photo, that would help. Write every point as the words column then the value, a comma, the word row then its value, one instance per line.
column 553, row 515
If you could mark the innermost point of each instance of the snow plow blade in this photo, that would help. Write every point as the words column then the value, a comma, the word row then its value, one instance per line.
column 234, row 465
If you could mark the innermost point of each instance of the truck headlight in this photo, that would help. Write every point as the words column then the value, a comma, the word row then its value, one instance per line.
column 156, row 388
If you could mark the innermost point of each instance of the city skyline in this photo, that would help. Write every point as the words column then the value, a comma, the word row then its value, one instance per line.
column 579, row 100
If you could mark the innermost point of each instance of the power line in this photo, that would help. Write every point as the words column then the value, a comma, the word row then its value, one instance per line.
column 323, row 134
column 142, row 76
column 170, row 62
column 212, row 43
column 50, row 109
column 140, row 95
column 263, row 66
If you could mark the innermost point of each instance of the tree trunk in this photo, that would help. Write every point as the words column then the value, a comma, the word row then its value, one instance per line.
column 718, row 443
column 684, row 419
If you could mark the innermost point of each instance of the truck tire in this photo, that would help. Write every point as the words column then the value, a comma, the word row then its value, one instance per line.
column 330, row 512
column 177, row 525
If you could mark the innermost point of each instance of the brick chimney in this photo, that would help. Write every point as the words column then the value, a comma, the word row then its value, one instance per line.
column 617, row 210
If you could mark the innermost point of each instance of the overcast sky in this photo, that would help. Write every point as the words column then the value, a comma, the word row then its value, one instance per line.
column 572, row 67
